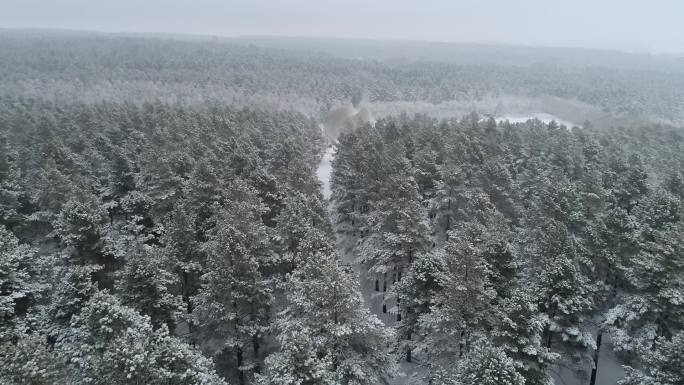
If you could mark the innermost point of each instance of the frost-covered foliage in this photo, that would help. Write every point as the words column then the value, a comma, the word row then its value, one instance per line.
column 22, row 285
column 156, row 227
column 235, row 298
column 126, row 69
column 661, row 366
column 143, row 243
column 326, row 335
column 30, row 361
column 484, row 365
column 112, row 344
column 534, row 236
column 149, row 244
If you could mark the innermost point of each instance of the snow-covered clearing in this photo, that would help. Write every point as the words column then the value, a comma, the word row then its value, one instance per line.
column 544, row 117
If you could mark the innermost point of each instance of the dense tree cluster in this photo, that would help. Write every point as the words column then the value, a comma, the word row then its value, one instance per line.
column 532, row 238
column 161, row 221
column 162, row 244
column 128, row 69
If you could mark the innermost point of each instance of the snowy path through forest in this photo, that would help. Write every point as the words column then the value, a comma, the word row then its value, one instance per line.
column 345, row 245
column 542, row 116
column 324, row 170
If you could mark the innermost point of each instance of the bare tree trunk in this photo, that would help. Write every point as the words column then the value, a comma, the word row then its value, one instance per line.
column 188, row 306
column 448, row 224
column 241, row 374
column 256, row 346
column 594, row 370
column 408, row 348
column 549, row 338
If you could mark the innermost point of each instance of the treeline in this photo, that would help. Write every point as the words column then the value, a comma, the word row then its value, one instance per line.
column 508, row 251
column 120, row 69
column 162, row 244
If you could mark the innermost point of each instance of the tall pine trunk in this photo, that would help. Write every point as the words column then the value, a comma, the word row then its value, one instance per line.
column 256, row 347
column 408, row 347
column 448, row 224
column 185, row 297
column 241, row 374
column 594, row 370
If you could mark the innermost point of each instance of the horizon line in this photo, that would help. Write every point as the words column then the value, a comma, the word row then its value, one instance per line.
column 559, row 45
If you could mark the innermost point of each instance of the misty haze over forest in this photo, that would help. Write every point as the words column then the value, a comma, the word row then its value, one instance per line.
column 611, row 24
column 341, row 193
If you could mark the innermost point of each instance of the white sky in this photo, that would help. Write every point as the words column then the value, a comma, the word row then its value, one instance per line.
column 635, row 25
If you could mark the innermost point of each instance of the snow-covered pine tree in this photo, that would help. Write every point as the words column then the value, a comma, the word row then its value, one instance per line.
column 661, row 365
column 108, row 343
column 29, row 360
column 564, row 292
column 650, row 307
column 398, row 224
column 445, row 205
column 23, row 282
column 233, row 305
column 10, row 190
column 80, row 227
column 520, row 333
column 465, row 304
column 302, row 227
column 484, row 365
column 184, row 253
column 352, row 180
column 326, row 335
column 145, row 284
column 416, row 294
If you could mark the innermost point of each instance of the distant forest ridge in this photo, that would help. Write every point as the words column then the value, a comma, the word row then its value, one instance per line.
column 411, row 50
column 471, row 53
column 313, row 75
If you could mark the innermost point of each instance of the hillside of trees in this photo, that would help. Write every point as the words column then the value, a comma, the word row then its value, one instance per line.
column 161, row 221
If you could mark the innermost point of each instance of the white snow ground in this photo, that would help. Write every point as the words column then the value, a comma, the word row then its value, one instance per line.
column 544, row 117
column 325, row 169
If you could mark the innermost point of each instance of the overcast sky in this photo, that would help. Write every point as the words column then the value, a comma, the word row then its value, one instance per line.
column 635, row 25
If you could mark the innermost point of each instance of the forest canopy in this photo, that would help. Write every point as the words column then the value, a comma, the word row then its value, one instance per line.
column 162, row 219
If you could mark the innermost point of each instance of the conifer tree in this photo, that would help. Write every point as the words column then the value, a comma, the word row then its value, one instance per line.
column 484, row 365
column 145, row 285
column 565, row 293
column 109, row 343
column 326, row 334
column 30, row 361
column 184, row 253
column 399, row 227
column 23, row 282
column 662, row 365
column 233, row 304
column 465, row 305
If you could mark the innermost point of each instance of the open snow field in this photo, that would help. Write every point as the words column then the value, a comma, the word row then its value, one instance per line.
column 544, row 117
